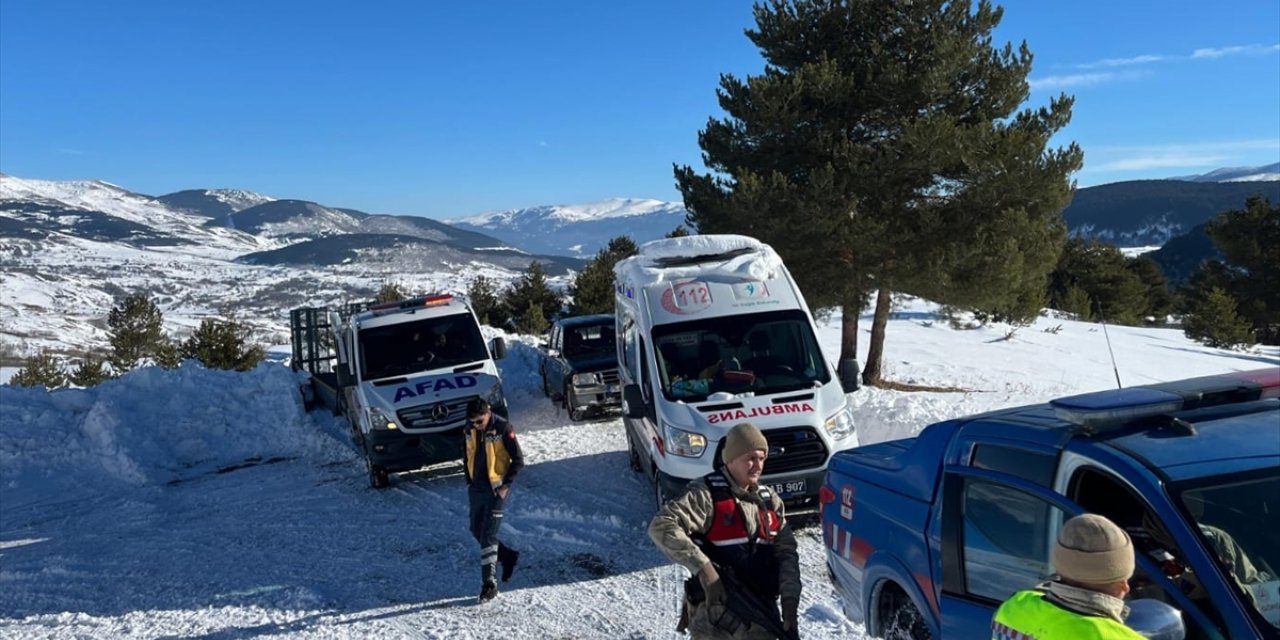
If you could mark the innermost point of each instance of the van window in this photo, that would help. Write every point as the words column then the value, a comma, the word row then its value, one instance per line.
column 761, row 352
column 409, row 347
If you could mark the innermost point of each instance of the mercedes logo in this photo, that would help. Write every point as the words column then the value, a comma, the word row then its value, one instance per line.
column 777, row 451
column 440, row 412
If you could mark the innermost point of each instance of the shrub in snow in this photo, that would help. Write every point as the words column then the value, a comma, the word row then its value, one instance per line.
column 40, row 370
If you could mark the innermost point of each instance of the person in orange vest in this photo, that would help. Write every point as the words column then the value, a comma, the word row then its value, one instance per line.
column 493, row 459
column 728, row 522
column 1093, row 558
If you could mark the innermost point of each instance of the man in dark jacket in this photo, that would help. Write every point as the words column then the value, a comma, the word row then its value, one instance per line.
column 493, row 458
column 728, row 522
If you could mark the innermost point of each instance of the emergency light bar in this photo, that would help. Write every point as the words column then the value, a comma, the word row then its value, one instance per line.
column 1103, row 411
column 433, row 300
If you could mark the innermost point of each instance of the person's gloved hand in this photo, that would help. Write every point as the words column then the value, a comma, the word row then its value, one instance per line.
column 790, row 613
column 711, row 585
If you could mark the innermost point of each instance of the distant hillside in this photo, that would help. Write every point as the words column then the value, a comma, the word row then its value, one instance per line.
column 1181, row 256
column 1265, row 173
column 1150, row 212
column 578, row 230
column 406, row 252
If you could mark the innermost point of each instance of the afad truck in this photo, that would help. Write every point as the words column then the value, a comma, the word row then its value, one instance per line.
column 402, row 373
column 713, row 331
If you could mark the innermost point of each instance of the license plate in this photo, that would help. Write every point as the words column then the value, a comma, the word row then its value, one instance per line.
column 789, row 488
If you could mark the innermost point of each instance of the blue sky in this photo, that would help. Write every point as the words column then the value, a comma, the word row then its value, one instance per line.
column 452, row 108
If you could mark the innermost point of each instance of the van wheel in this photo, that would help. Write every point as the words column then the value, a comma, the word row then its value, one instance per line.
column 660, row 497
column 378, row 476
column 633, row 456
column 900, row 619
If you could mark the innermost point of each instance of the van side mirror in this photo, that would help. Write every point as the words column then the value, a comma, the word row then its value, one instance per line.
column 632, row 402
column 498, row 348
column 1155, row 620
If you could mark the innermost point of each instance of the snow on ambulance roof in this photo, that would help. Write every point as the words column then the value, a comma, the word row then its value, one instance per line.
column 676, row 258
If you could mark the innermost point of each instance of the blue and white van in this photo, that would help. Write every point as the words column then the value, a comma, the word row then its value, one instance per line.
column 713, row 331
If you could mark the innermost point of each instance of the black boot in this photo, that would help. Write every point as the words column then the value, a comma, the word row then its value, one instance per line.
column 488, row 592
column 508, row 558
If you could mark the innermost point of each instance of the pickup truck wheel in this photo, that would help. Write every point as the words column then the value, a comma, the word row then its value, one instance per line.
column 575, row 413
column 546, row 389
column 900, row 619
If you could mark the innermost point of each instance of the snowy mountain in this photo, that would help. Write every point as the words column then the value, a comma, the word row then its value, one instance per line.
column 208, row 504
column 1266, row 173
column 578, row 230
column 70, row 250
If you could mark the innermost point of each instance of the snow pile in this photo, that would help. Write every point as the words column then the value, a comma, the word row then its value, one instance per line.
column 151, row 426
column 757, row 261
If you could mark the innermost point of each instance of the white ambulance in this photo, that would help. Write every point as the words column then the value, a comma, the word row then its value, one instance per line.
column 713, row 331
column 402, row 373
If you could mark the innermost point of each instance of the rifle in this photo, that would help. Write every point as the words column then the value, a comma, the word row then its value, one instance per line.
column 753, row 609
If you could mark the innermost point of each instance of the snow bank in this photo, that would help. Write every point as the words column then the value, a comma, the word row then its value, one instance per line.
column 151, row 426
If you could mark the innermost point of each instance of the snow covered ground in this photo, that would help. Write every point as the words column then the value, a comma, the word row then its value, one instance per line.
column 195, row 503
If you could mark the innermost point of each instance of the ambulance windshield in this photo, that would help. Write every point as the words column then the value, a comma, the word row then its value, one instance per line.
column 422, row 345
column 769, row 352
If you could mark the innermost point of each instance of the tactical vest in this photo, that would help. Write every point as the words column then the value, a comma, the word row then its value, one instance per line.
column 730, row 544
column 1028, row 616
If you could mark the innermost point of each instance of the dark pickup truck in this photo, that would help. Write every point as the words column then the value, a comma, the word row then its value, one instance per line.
column 579, row 365
column 926, row 536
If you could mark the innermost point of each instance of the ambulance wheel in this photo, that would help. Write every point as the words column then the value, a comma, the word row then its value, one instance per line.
column 660, row 496
column 633, row 456
column 378, row 477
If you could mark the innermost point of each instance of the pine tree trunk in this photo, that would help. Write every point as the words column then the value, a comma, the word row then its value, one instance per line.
column 849, row 329
column 875, row 352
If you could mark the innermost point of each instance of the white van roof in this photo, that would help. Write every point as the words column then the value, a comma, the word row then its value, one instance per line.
column 688, row 256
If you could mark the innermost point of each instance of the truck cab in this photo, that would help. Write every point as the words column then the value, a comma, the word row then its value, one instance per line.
column 929, row 535
column 713, row 331
column 403, row 374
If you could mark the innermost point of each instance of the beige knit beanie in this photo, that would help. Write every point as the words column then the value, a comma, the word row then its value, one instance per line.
column 1093, row 550
column 743, row 437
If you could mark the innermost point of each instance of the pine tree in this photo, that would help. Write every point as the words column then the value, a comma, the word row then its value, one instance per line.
column 223, row 343
column 881, row 149
column 678, row 232
column 1216, row 323
column 41, row 369
column 593, row 290
column 169, row 354
column 135, row 329
column 90, row 372
column 1249, row 240
column 529, row 292
column 489, row 308
column 390, row 292
column 532, row 320
column 1158, row 298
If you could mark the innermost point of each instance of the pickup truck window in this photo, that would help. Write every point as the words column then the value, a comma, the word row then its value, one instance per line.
column 1006, row 539
column 1032, row 466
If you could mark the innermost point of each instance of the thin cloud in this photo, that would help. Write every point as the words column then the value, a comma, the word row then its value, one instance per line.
column 1122, row 62
column 1071, row 80
column 1204, row 154
column 1248, row 50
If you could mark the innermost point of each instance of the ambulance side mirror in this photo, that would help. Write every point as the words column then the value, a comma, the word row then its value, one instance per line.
column 632, row 402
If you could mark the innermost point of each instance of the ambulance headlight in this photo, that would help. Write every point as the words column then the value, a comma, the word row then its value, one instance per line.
column 378, row 420
column 840, row 426
column 684, row 443
column 494, row 396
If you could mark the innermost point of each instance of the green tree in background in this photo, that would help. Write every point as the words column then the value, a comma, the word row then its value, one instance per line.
column 1249, row 240
column 1215, row 322
column 532, row 293
column 390, row 292
column 223, row 343
column 489, row 308
column 881, row 149
column 593, row 290
column 678, row 232
column 41, row 369
column 135, row 329
column 90, row 372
